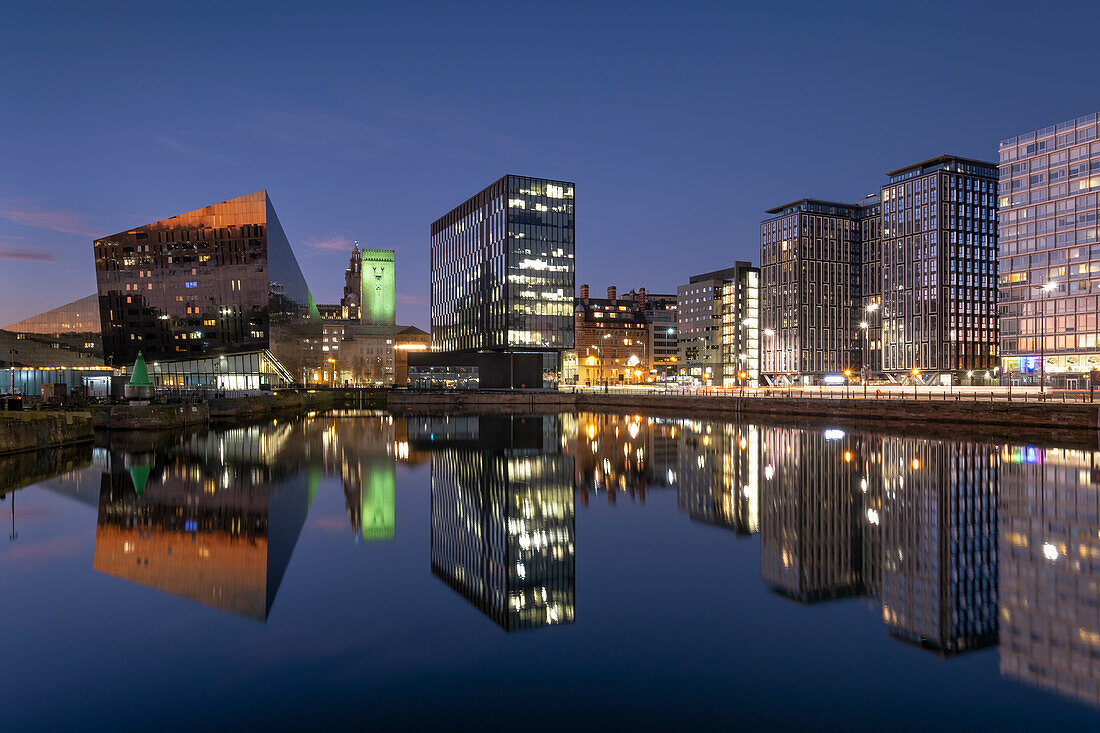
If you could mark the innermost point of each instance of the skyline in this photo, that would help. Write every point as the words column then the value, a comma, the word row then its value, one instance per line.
column 371, row 135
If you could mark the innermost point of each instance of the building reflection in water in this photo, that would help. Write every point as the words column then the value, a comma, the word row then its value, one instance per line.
column 619, row 455
column 907, row 523
column 1050, row 569
column 213, row 518
column 502, row 515
column 363, row 450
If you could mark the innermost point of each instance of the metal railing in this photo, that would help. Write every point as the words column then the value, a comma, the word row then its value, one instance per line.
column 875, row 392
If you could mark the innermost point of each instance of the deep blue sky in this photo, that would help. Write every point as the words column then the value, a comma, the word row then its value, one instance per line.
column 679, row 122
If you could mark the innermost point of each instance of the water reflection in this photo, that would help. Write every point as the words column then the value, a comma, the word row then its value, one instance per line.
column 502, row 516
column 959, row 545
column 911, row 524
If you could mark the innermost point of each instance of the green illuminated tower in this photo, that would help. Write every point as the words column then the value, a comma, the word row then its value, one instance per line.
column 379, row 288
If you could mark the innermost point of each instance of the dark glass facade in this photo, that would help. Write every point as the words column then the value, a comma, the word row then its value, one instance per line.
column 213, row 282
column 502, row 269
column 810, row 259
column 939, row 270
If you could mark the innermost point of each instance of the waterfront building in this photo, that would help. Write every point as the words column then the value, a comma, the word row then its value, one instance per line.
column 939, row 271
column 213, row 297
column 407, row 340
column 502, row 272
column 69, row 335
column 718, row 326
column 660, row 315
column 1049, row 206
column 612, row 338
column 741, row 327
column 869, row 223
column 810, row 259
column 503, row 516
column 900, row 284
column 359, row 340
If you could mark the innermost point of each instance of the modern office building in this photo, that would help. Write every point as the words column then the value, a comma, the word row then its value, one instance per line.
column 741, row 327
column 718, row 326
column 1049, row 205
column 502, row 516
column 810, row 259
column 502, row 272
column 213, row 297
column 69, row 335
column 939, row 271
column 699, row 326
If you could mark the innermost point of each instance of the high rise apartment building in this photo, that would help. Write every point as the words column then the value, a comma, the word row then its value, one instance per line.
column 810, row 258
column 939, row 270
column 1050, row 253
column 901, row 284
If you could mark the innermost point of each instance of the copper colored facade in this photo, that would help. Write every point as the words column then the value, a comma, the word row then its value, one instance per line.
column 217, row 281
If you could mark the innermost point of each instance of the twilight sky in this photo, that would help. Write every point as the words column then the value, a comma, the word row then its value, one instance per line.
column 679, row 122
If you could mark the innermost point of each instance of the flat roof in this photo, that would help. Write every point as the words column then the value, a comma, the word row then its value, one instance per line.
column 944, row 158
column 822, row 202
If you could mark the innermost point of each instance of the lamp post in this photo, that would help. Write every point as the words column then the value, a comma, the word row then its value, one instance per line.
column 12, row 353
column 769, row 333
column 916, row 374
column 865, row 369
column 332, row 380
column 1046, row 290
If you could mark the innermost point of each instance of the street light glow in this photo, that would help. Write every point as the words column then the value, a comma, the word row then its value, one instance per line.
column 864, row 324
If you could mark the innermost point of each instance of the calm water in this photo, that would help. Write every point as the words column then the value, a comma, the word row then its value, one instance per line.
column 368, row 571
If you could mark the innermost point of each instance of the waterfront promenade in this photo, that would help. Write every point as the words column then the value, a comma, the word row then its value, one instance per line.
column 857, row 392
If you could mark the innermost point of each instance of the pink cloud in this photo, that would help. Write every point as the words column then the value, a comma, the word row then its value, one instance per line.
column 331, row 243
column 404, row 299
column 11, row 254
column 26, row 212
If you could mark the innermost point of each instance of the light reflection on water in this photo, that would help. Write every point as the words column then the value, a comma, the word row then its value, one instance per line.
column 960, row 546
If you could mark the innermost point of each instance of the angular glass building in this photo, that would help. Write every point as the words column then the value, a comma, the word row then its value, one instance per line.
column 213, row 297
column 502, row 270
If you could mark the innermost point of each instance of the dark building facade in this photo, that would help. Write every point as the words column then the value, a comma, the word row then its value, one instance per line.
column 939, row 270
column 810, row 260
column 211, row 297
column 902, row 284
column 502, row 271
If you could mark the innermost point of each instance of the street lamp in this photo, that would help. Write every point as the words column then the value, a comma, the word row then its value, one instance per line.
column 916, row 373
column 1046, row 289
column 332, row 380
column 865, row 370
